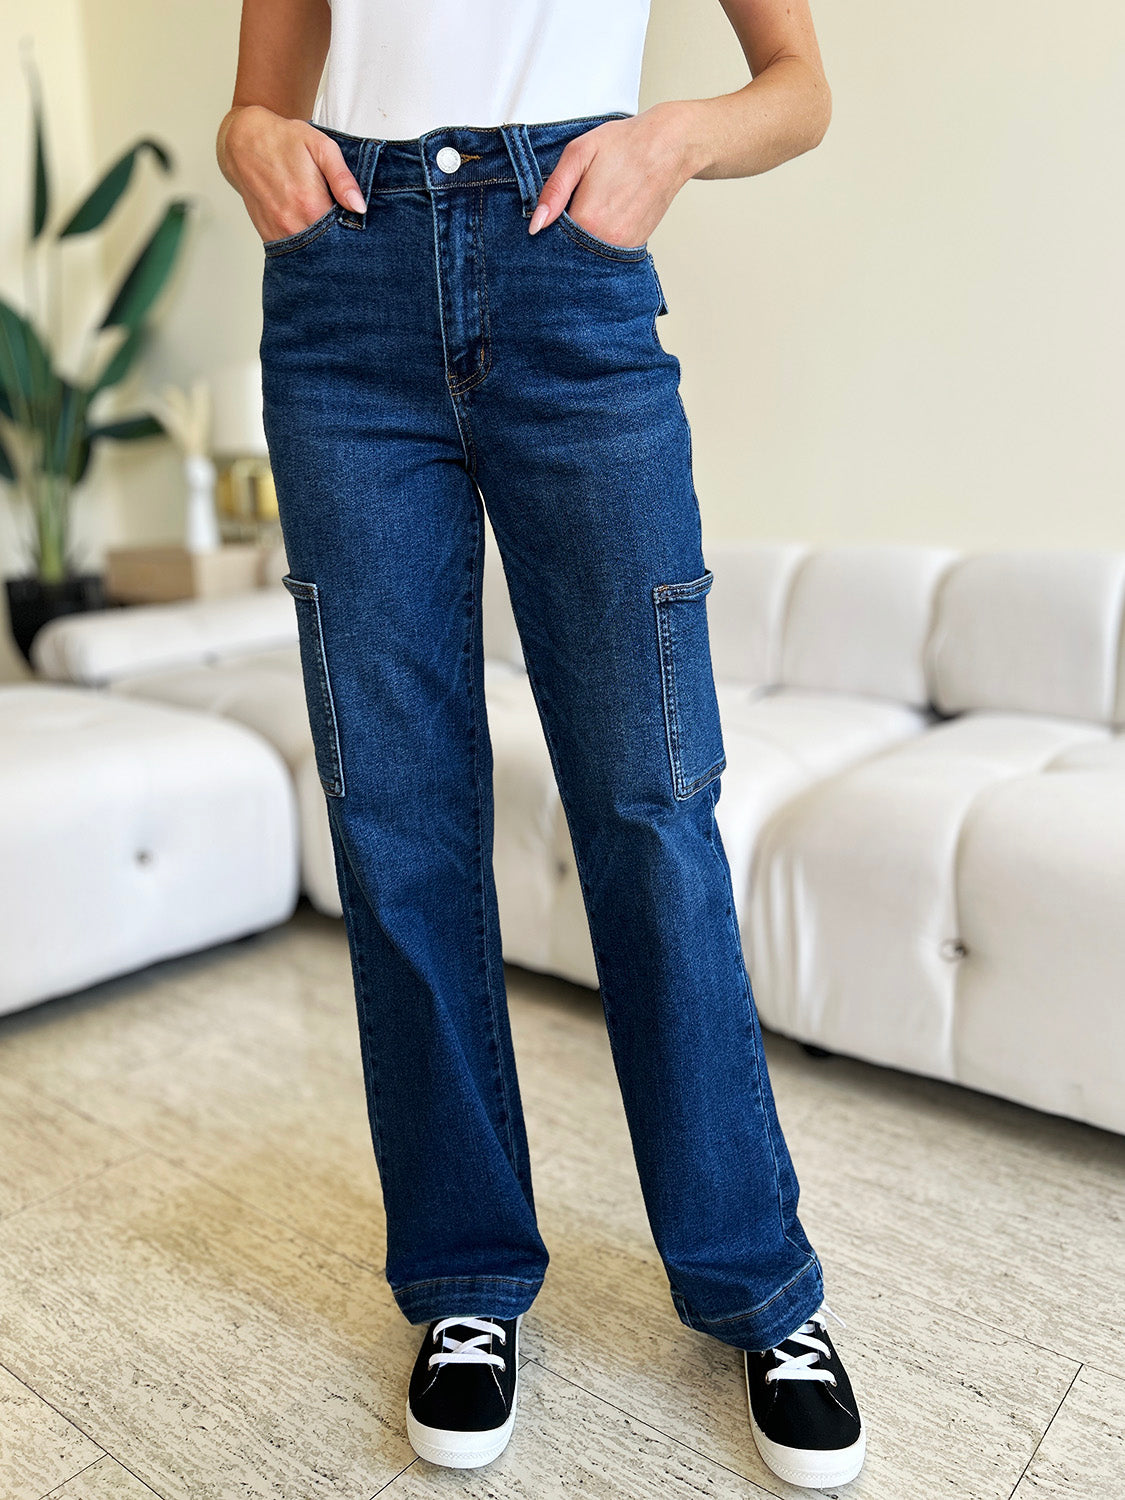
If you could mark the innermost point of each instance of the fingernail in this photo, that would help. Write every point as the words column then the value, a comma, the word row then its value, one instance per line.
column 355, row 200
column 537, row 219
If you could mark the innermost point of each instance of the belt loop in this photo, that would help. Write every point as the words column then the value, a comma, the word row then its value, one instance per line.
column 528, row 175
column 364, row 174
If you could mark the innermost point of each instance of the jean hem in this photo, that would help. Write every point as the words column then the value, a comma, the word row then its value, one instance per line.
column 466, row 1296
column 768, row 1324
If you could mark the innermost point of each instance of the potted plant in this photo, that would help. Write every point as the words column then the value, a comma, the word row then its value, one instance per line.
column 48, row 430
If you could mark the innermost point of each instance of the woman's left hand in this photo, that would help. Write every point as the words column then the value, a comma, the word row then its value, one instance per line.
column 623, row 174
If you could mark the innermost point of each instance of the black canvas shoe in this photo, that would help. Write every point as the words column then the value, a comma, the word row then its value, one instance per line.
column 461, row 1405
column 803, row 1413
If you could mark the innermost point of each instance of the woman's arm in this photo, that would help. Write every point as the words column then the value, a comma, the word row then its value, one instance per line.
column 287, row 171
column 630, row 170
column 782, row 112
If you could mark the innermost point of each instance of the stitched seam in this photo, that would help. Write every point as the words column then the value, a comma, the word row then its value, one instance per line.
column 346, row 872
column 461, row 182
column 668, row 692
column 303, row 237
column 421, row 187
column 411, row 1286
column 484, row 363
column 691, row 787
column 616, row 114
column 584, row 238
column 349, row 218
column 467, row 446
column 475, row 730
column 466, row 431
column 661, row 302
column 690, row 590
column 525, row 177
column 664, row 594
column 337, row 773
column 308, row 594
column 751, row 1312
column 529, row 177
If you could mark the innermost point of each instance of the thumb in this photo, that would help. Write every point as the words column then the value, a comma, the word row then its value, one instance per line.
column 330, row 159
column 557, row 189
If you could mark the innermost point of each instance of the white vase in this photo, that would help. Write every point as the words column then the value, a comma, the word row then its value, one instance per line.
column 201, row 525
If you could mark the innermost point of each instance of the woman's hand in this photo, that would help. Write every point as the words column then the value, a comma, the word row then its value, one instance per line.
column 288, row 173
column 622, row 174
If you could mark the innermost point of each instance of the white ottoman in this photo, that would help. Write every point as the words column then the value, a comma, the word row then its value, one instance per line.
column 131, row 832
column 264, row 691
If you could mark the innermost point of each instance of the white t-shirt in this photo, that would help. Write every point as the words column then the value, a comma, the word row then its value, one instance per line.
column 397, row 68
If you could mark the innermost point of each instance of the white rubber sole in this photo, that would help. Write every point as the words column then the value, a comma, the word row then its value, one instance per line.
column 811, row 1468
column 465, row 1450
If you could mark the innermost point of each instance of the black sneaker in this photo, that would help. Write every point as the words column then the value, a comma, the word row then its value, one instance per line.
column 803, row 1413
column 461, row 1405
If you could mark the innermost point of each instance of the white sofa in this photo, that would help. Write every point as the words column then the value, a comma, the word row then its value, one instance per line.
column 131, row 832
column 923, row 807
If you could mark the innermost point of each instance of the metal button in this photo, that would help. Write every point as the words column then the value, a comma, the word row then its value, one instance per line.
column 448, row 159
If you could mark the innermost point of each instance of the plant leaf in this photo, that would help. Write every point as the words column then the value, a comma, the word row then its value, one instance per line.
column 80, row 460
column 69, row 421
column 119, row 363
column 126, row 429
column 7, row 468
column 26, row 376
column 41, row 205
column 149, row 271
column 103, row 197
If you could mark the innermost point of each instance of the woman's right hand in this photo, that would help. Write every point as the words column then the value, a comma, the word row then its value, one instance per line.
column 287, row 172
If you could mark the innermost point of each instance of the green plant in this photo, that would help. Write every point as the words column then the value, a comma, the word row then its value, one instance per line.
column 47, row 429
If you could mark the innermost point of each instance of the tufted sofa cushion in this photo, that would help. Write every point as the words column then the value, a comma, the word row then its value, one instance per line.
column 110, row 644
column 131, row 832
column 1032, row 632
column 858, row 619
column 943, row 906
column 746, row 608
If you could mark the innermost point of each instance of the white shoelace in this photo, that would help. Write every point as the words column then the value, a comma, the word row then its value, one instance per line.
column 469, row 1351
column 803, row 1366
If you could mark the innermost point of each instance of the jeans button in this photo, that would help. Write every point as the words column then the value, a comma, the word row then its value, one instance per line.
column 448, row 159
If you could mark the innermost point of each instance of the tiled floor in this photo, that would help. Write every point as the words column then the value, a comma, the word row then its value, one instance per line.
column 192, row 1304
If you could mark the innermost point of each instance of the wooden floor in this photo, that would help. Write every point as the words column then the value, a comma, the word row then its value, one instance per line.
column 192, row 1303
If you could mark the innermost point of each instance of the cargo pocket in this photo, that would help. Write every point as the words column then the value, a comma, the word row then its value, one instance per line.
column 318, row 689
column 691, row 708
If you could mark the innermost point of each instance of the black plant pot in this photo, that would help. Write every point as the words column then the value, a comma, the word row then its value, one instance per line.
column 31, row 603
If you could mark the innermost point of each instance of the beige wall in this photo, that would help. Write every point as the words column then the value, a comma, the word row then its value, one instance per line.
column 911, row 333
column 168, row 70
column 115, row 70
column 52, row 29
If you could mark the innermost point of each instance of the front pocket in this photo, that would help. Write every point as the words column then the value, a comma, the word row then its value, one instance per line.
column 318, row 688
column 304, row 236
column 691, row 708
column 588, row 241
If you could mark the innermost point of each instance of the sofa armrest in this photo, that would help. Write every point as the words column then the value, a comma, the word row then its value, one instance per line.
column 106, row 645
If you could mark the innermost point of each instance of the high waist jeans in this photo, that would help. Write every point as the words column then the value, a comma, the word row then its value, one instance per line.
column 426, row 362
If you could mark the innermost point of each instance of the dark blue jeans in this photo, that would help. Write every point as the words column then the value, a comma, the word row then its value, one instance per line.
column 422, row 362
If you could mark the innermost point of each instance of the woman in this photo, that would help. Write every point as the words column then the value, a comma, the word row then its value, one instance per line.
column 459, row 315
